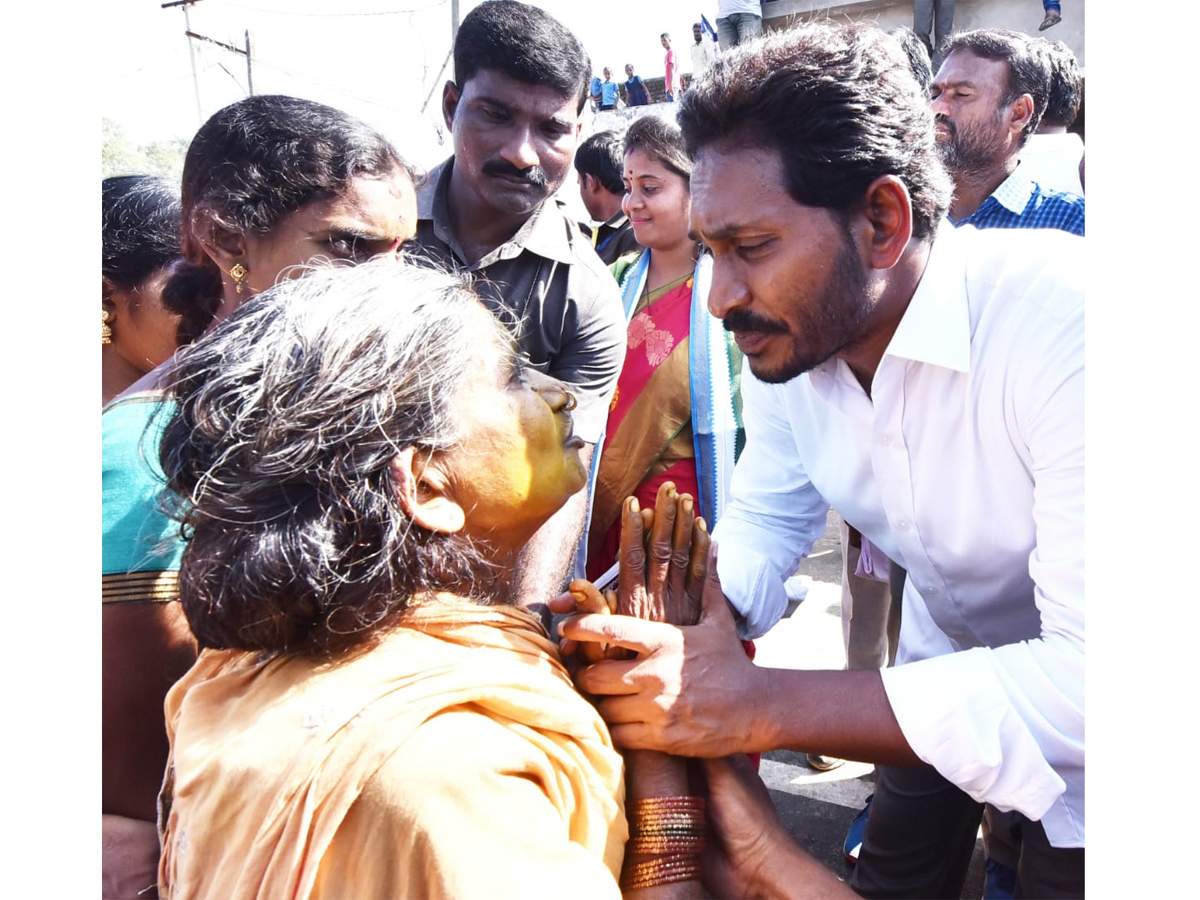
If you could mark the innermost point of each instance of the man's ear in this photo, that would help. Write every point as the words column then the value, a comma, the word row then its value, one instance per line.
column 885, row 221
column 225, row 247
column 451, row 94
column 424, row 492
column 1020, row 111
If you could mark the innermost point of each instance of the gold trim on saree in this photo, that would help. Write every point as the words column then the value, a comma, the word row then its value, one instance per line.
column 161, row 586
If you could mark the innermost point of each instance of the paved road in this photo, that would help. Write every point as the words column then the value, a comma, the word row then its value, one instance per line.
column 818, row 807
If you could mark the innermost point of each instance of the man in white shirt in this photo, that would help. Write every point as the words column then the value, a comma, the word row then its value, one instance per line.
column 703, row 51
column 1053, row 156
column 926, row 382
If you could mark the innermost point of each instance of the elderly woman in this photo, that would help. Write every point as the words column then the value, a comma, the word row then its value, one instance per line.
column 140, row 228
column 360, row 455
column 269, row 183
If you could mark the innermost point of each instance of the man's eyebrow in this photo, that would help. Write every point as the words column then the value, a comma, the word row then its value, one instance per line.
column 493, row 101
column 943, row 85
column 723, row 232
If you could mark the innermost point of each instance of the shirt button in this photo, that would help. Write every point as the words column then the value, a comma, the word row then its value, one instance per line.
column 902, row 524
column 931, row 589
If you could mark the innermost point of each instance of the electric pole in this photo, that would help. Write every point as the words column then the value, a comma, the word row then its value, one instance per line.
column 191, row 49
column 187, row 26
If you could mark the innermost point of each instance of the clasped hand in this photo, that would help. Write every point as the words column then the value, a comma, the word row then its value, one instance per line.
column 689, row 685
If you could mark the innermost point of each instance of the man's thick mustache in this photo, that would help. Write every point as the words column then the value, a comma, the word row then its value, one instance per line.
column 744, row 320
column 533, row 175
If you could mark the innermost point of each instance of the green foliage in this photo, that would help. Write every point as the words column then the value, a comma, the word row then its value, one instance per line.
column 119, row 155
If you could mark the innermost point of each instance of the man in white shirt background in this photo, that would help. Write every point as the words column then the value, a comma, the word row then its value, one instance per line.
column 928, row 383
column 703, row 51
column 1053, row 156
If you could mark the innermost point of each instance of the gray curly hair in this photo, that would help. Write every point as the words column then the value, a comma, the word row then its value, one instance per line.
column 279, row 452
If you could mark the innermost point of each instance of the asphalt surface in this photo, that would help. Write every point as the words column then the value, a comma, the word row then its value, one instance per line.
column 818, row 807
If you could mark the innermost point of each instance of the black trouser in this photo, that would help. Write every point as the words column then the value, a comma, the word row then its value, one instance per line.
column 920, row 836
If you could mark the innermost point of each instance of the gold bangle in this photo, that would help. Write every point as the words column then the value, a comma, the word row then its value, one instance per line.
column 654, row 804
column 663, row 870
column 693, row 845
column 667, row 815
column 670, row 832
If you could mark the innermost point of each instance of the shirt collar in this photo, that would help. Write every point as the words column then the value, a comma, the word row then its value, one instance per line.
column 1014, row 192
column 544, row 233
column 616, row 221
column 936, row 327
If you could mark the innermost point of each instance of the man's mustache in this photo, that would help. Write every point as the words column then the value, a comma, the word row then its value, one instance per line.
column 943, row 120
column 744, row 320
column 532, row 175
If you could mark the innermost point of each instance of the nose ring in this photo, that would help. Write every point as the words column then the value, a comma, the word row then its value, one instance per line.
column 572, row 401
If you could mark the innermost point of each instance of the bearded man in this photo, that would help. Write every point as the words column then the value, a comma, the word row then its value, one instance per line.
column 988, row 98
column 927, row 382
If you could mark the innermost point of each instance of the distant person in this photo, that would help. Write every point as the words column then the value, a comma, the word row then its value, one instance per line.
column 635, row 88
column 608, row 92
column 917, row 53
column 520, row 85
column 139, row 240
column 985, row 108
column 598, row 163
column 594, row 92
column 738, row 21
column 933, row 20
column 703, row 51
column 1053, row 156
column 673, row 82
column 1053, row 10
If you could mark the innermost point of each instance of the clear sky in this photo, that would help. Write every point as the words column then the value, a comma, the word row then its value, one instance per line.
column 377, row 59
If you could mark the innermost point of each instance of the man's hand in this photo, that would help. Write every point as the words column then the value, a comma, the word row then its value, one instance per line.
column 690, row 692
column 750, row 853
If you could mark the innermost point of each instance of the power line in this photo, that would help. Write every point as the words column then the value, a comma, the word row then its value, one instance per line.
column 344, row 15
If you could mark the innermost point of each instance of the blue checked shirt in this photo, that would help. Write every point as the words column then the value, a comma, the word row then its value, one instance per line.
column 1021, row 203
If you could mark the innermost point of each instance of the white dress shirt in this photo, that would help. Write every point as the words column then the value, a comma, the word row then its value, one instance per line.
column 966, row 467
column 1052, row 160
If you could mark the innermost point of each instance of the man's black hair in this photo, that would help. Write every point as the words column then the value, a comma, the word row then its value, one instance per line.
column 526, row 44
column 1066, row 83
column 918, row 56
column 841, row 106
column 602, row 157
column 1028, row 70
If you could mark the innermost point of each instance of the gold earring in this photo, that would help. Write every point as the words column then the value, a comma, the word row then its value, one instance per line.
column 239, row 273
column 105, row 328
column 571, row 403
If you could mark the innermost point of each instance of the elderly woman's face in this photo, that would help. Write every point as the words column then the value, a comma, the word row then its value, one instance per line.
column 519, row 459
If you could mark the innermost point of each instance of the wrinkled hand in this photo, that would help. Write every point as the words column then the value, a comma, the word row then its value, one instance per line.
column 690, row 692
column 664, row 558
